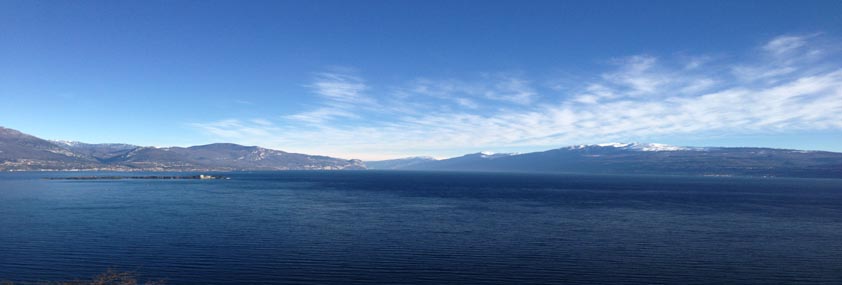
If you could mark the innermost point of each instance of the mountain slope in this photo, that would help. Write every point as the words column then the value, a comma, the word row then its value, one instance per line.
column 400, row 163
column 19, row 151
column 656, row 159
column 224, row 156
column 472, row 161
column 100, row 151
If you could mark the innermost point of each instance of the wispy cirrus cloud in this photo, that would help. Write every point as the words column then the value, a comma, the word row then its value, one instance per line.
column 793, row 85
column 785, row 44
column 489, row 88
column 324, row 114
column 238, row 129
column 341, row 92
column 512, row 89
column 636, row 75
column 340, row 87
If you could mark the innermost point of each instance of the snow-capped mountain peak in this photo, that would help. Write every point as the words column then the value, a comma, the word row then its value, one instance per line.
column 658, row 147
column 489, row 154
column 635, row 146
column 615, row 144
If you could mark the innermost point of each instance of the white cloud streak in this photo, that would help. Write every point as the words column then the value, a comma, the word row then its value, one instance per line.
column 340, row 87
column 785, row 44
column 642, row 97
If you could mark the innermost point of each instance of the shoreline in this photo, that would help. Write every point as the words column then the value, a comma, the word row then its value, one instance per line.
column 148, row 177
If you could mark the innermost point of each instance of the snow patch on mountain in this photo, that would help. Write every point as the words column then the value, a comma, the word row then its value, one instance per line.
column 637, row 147
column 490, row 154
column 65, row 143
column 615, row 145
column 658, row 147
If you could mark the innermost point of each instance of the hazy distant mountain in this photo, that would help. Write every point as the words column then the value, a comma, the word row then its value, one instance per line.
column 19, row 151
column 224, row 156
column 398, row 163
column 465, row 162
column 100, row 151
column 636, row 158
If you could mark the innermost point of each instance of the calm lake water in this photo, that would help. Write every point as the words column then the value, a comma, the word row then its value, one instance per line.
column 311, row 227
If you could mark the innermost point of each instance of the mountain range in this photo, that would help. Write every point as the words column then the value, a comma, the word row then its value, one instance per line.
column 644, row 158
column 23, row 152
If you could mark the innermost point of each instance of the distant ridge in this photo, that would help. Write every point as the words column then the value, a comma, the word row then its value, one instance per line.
column 650, row 158
column 23, row 152
column 399, row 163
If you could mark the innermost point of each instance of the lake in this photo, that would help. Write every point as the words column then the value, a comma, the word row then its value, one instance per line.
column 341, row 227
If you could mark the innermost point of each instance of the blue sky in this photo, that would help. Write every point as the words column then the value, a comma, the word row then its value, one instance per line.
column 386, row 79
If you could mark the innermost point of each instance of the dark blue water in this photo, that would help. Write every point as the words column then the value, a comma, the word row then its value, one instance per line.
column 434, row 228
